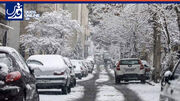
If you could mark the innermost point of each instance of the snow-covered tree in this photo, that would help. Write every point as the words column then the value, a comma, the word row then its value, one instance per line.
column 53, row 33
column 132, row 29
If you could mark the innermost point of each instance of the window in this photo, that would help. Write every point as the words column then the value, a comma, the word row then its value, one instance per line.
column 21, row 62
column 129, row 62
column 35, row 62
column 4, row 58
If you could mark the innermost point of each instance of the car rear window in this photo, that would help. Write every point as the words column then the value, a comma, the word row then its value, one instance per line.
column 4, row 58
column 129, row 62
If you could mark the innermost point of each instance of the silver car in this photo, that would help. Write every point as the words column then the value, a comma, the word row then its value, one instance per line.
column 50, row 72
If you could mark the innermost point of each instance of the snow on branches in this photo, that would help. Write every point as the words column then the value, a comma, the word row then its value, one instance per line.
column 53, row 33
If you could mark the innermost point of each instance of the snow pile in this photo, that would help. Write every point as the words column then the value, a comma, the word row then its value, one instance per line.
column 146, row 92
column 76, row 93
column 109, row 93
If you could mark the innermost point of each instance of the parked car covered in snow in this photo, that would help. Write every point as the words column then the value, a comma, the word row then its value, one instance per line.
column 78, row 69
column 53, row 73
column 17, row 82
column 72, row 72
column 129, row 69
column 170, row 85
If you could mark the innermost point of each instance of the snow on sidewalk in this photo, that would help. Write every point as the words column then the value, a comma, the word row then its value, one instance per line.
column 76, row 93
column 103, row 76
column 108, row 93
column 146, row 92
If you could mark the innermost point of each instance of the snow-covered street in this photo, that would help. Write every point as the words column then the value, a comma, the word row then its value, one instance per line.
column 99, row 86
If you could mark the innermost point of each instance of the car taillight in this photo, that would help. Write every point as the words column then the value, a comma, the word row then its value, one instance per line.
column 58, row 73
column 141, row 65
column 118, row 66
column 13, row 76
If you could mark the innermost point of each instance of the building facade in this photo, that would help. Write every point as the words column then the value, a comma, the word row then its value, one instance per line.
column 9, row 30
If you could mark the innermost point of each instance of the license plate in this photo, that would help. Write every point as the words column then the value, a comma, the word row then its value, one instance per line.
column 130, row 69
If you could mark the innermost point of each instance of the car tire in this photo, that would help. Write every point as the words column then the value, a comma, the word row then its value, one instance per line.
column 80, row 77
column 36, row 97
column 117, row 80
column 20, row 97
column 69, row 89
column 143, row 81
column 65, row 90
column 74, row 82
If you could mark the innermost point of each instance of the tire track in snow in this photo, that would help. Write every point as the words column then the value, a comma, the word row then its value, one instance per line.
column 90, row 88
column 108, row 93
column 129, row 95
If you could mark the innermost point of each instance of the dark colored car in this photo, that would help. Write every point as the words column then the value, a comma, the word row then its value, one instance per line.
column 17, row 82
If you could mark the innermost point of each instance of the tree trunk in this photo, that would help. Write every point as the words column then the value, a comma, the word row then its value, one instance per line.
column 156, row 48
column 178, row 16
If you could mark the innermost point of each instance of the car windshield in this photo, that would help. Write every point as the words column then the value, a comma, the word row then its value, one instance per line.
column 129, row 62
column 4, row 58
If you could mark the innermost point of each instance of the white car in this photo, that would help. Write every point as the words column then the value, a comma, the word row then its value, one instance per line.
column 129, row 69
column 50, row 72
column 79, row 71
column 170, row 85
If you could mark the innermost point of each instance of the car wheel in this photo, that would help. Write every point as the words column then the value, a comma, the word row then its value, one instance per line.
column 80, row 77
column 65, row 90
column 143, row 81
column 117, row 81
column 69, row 89
column 36, row 96
column 74, row 82
column 20, row 97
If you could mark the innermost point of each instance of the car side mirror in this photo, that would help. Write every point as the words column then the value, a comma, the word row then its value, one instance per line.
column 168, row 76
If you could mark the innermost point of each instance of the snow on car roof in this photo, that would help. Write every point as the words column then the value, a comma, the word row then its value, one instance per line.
column 50, row 61
column 7, row 49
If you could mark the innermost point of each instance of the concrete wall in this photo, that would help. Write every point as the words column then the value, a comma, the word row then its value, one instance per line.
column 13, row 35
